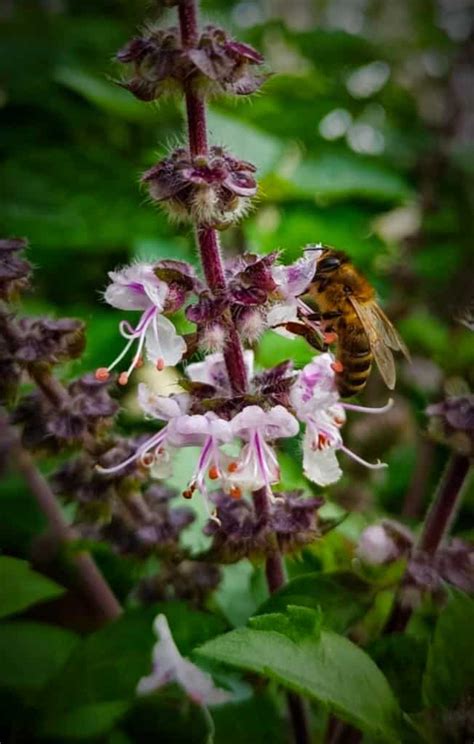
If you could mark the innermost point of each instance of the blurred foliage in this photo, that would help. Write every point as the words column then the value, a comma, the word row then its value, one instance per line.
column 362, row 141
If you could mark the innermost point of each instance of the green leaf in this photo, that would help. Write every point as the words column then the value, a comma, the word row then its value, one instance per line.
column 86, row 721
column 168, row 717
column 450, row 667
column 402, row 659
column 21, row 587
column 342, row 597
column 32, row 654
column 256, row 720
column 107, row 665
column 328, row 668
column 297, row 623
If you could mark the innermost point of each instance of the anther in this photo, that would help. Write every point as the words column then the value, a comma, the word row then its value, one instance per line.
column 235, row 492
column 139, row 363
column 147, row 459
column 102, row 374
column 337, row 366
column 123, row 378
column 232, row 467
column 160, row 364
column 213, row 473
column 322, row 440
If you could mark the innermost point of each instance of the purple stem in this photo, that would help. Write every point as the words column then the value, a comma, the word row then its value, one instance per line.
column 90, row 581
column 207, row 237
column 213, row 268
column 275, row 573
column 445, row 503
column 437, row 523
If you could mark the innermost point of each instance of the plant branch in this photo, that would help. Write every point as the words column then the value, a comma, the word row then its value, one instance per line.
column 437, row 523
column 213, row 268
column 90, row 581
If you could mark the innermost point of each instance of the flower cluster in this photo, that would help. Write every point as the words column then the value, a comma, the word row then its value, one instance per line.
column 239, row 531
column 452, row 422
column 212, row 419
column 216, row 63
column 14, row 269
column 213, row 189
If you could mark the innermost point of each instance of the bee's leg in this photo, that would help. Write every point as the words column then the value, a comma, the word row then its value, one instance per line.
column 310, row 335
column 330, row 315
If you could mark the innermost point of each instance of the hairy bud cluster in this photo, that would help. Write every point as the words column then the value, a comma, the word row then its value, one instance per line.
column 49, row 425
column 452, row 423
column 213, row 190
column 14, row 270
column 160, row 64
column 240, row 532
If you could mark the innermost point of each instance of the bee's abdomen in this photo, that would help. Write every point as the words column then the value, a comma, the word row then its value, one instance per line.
column 356, row 359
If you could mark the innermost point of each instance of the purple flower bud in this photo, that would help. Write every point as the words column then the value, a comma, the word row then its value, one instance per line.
column 188, row 580
column 14, row 270
column 160, row 63
column 212, row 190
column 452, row 423
column 48, row 340
column 242, row 533
column 227, row 63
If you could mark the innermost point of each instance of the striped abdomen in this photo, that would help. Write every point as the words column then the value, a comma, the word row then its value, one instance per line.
column 356, row 359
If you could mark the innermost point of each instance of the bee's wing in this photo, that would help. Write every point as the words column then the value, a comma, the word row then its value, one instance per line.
column 391, row 335
column 376, row 332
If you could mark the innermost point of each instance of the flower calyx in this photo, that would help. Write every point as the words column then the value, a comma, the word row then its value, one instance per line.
column 213, row 190
column 160, row 64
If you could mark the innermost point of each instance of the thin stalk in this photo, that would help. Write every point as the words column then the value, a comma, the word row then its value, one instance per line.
column 213, row 268
column 445, row 503
column 90, row 581
column 275, row 573
column 437, row 523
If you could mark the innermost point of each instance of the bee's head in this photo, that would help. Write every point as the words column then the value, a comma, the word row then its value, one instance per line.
column 330, row 261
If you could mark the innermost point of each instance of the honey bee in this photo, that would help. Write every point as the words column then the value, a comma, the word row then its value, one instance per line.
column 346, row 306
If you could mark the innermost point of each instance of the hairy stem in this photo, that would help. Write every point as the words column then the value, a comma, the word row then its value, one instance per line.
column 445, row 503
column 437, row 523
column 275, row 573
column 211, row 260
column 207, row 237
column 90, row 581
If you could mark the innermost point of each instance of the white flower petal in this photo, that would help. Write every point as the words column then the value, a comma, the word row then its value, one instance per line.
column 135, row 287
column 320, row 465
column 212, row 370
column 169, row 666
column 163, row 343
column 160, row 406
column 280, row 423
column 282, row 312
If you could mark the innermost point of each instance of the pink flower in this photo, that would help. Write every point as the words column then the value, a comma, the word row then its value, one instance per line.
column 137, row 287
column 257, row 465
column 169, row 666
